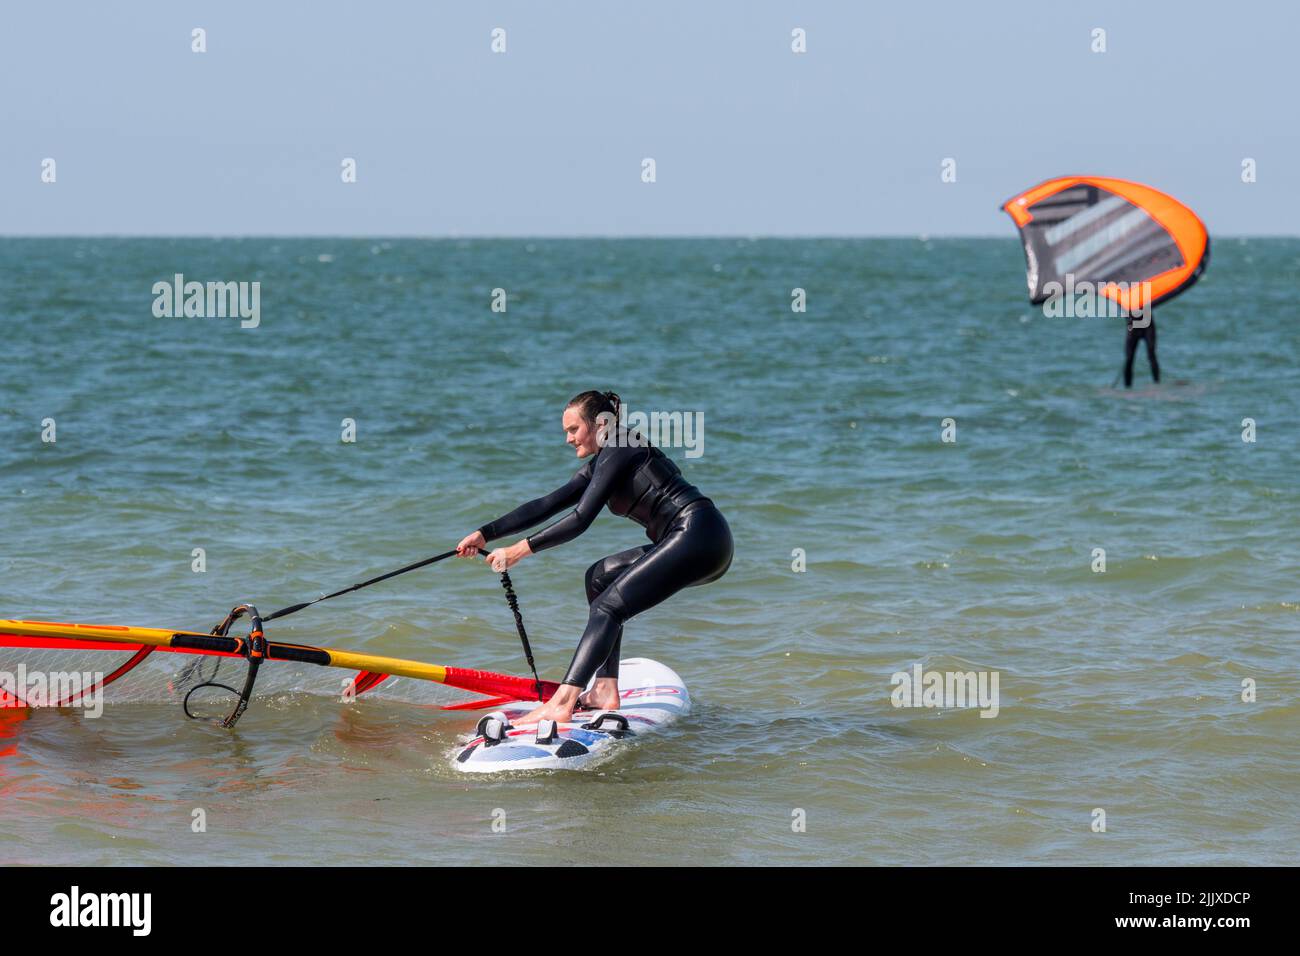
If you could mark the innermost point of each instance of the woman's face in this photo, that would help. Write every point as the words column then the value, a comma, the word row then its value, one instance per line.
column 579, row 433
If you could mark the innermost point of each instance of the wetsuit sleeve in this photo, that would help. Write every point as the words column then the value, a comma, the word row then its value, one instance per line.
column 539, row 509
column 610, row 465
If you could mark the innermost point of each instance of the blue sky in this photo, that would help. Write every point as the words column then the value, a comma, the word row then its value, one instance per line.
column 548, row 139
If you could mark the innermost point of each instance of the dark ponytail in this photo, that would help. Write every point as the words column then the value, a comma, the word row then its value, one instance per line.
column 592, row 403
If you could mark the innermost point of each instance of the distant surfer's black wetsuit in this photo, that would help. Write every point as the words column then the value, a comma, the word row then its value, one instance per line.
column 691, row 543
column 1130, row 350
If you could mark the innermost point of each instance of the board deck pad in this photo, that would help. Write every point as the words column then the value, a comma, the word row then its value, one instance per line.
column 653, row 696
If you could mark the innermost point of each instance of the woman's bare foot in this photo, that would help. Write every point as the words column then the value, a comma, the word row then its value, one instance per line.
column 602, row 696
column 559, row 708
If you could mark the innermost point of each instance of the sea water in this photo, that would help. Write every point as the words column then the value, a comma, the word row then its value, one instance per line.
column 926, row 478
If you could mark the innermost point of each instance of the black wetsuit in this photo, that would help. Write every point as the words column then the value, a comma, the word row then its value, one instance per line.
column 1130, row 350
column 691, row 543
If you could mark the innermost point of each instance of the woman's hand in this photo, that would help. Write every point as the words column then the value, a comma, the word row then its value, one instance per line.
column 503, row 559
column 471, row 544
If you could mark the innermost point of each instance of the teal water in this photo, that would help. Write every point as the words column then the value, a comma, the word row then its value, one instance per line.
column 1119, row 691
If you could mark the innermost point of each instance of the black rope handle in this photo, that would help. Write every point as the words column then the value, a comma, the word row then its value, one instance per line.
column 513, row 600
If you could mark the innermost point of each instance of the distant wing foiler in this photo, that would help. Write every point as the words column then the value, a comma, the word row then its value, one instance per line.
column 1112, row 233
